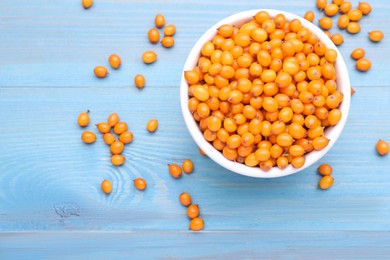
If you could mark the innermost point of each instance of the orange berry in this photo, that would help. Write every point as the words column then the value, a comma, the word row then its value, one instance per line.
column 325, row 169
column 326, row 182
column 106, row 186
column 118, row 159
column 188, row 166
column 185, row 199
column 175, row 170
column 382, row 147
column 88, row 137
column 140, row 184
column 115, row 61
column 197, row 224
column 83, row 119
column 193, row 211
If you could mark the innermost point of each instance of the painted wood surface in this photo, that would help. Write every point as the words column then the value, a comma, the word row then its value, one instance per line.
column 49, row 179
column 205, row 245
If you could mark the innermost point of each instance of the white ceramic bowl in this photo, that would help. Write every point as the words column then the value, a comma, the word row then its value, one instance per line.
column 332, row 133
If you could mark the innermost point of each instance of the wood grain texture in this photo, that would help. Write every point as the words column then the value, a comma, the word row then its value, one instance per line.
column 205, row 245
column 50, row 198
column 58, row 43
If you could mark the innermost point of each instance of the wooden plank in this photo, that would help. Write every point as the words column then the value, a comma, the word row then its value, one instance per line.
column 204, row 245
column 50, row 180
column 58, row 43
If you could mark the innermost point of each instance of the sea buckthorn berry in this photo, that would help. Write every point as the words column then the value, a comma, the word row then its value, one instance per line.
column 149, row 57
column 343, row 21
column 126, row 137
column 328, row 71
column 113, row 119
column 167, row 41
column 153, row 35
column 364, row 7
column 159, row 20
column 325, row 23
column 282, row 162
column 278, row 127
column 331, row 9
column 334, row 116
column 108, row 138
column 280, row 21
column 376, row 35
column 270, row 104
column 320, row 143
column 116, row 147
column 353, row 27
column 140, row 183
column 325, row 169
column 230, row 154
column 233, row 141
column 266, row 165
column 214, row 123
column 193, row 211
column 152, row 125
column 242, row 39
column 115, row 61
column 352, row 91
column 196, row 224
column 331, row 55
column 309, row 15
column 321, row 4
column 226, row 30
column 251, row 160
column 295, row 25
column 297, row 131
column 268, row 26
column 188, row 166
column 88, row 137
column 83, row 119
column 296, row 150
column 259, row 35
column 298, row 162
column 185, row 199
column 290, row 67
column 286, row 114
column 337, row 39
column 106, row 186
column 103, row 127
column 139, row 81
column 382, row 147
column 100, row 71
column 201, row 93
column 355, row 15
column 326, row 182
column 191, row 77
column 175, row 170
column 284, row 139
column 208, row 49
column 118, row 159
column 169, row 30
column 120, row 127
column 345, row 7
column 357, row 53
column 363, row 64
column 87, row 3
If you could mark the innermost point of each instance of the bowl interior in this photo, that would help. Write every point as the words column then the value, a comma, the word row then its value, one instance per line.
column 343, row 84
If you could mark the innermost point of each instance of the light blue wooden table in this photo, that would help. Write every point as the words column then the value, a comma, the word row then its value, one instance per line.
column 51, row 204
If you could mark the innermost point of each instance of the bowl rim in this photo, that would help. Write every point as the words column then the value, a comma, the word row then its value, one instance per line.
column 333, row 132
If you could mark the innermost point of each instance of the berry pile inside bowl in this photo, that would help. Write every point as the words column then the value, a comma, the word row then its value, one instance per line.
column 264, row 93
